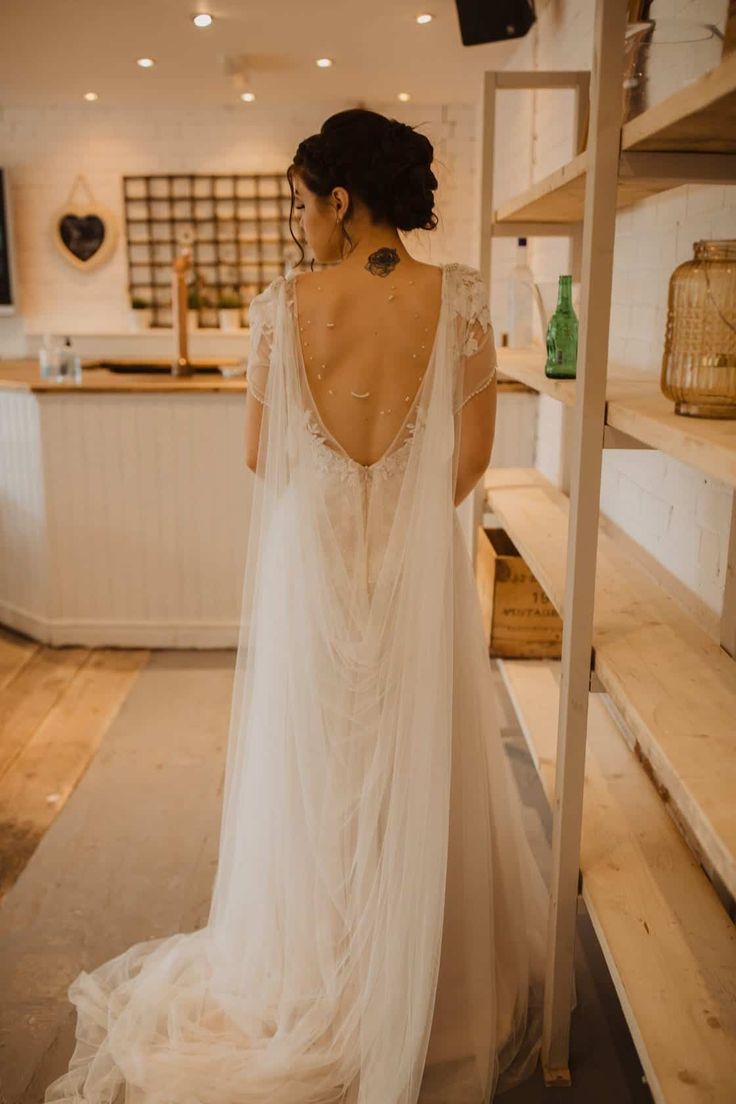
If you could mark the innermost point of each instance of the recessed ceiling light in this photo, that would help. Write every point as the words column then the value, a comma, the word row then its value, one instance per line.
column 248, row 96
column 404, row 96
column 324, row 63
column 425, row 17
column 90, row 96
column 145, row 63
column 202, row 20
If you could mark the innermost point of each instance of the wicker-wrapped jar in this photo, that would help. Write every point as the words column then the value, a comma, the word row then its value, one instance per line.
column 699, row 361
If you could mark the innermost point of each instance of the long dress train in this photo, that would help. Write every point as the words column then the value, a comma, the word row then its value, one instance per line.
column 377, row 926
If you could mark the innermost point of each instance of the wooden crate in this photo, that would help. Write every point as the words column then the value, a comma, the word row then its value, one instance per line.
column 518, row 618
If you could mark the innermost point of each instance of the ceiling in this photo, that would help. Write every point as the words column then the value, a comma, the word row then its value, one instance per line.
column 53, row 51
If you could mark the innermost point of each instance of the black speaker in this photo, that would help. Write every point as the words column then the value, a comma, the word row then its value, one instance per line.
column 7, row 300
column 494, row 20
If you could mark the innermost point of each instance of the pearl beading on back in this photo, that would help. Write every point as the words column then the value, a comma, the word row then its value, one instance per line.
column 358, row 394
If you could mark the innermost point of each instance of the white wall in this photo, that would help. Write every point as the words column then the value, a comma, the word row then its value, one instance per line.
column 675, row 513
column 45, row 149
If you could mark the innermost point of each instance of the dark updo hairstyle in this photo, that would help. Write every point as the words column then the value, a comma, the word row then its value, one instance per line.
column 384, row 162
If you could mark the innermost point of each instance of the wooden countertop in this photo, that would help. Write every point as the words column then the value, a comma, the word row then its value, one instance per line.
column 24, row 375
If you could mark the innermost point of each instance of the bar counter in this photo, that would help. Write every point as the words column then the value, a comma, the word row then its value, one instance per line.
column 124, row 505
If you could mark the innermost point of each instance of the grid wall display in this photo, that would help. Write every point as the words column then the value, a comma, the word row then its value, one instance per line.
column 236, row 227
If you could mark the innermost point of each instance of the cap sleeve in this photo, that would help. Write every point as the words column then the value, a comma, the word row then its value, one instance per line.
column 477, row 362
column 260, row 321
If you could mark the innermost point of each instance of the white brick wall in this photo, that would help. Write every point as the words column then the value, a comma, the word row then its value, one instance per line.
column 674, row 512
column 44, row 150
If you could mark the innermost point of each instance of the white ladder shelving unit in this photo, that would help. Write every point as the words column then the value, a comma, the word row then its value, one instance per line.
column 644, row 824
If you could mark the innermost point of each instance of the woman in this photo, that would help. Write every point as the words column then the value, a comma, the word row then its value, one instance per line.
column 377, row 927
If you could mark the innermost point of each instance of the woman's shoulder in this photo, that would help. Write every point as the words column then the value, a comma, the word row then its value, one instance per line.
column 471, row 306
column 467, row 276
column 261, row 305
column 470, row 290
column 270, row 291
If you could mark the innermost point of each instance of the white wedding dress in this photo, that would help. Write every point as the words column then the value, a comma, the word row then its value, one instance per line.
column 377, row 927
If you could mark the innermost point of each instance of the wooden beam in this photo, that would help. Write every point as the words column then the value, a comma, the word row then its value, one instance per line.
column 728, row 611
column 542, row 78
column 599, row 226
column 534, row 229
column 661, row 171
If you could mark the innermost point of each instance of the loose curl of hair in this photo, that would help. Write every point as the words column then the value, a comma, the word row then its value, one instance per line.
column 384, row 162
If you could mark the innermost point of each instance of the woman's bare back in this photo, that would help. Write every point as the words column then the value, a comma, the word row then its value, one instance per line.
column 366, row 340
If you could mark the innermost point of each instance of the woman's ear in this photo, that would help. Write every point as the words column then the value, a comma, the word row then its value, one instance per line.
column 342, row 200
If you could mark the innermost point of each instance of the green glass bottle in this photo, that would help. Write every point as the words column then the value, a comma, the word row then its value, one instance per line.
column 562, row 335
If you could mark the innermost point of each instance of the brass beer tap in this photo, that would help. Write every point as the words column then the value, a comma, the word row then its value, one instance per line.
column 181, row 366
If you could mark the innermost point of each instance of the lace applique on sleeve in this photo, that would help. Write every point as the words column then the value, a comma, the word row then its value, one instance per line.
column 260, row 322
column 475, row 311
column 477, row 361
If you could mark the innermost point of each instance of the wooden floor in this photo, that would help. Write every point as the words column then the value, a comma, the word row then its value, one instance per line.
column 55, row 706
column 110, row 794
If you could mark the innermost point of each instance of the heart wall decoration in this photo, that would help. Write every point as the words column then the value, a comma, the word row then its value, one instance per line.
column 84, row 232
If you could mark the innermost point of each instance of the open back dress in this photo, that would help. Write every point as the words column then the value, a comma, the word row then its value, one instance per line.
column 378, row 922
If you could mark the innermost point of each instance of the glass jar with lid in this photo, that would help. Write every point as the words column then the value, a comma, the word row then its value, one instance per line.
column 699, row 362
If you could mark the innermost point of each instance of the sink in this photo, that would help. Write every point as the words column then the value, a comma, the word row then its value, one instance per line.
column 140, row 366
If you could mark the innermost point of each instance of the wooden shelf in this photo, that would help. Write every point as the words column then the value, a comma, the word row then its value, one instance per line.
column 637, row 407
column 642, row 411
column 212, row 205
column 558, row 197
column 527, row 366
column 674, row 687
column 701, row 117
column 698, row 119
column 643, row 891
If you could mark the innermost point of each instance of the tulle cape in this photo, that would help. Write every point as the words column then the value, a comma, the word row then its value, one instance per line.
column 377, row 926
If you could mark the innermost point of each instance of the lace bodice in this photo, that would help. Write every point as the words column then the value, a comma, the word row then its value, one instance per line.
column 332, row 463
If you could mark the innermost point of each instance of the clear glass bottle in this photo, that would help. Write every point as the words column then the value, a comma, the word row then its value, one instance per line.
column 521, row 300
column 70, row 364
column 699, row 360
column 562, row 335
column 49, row 357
